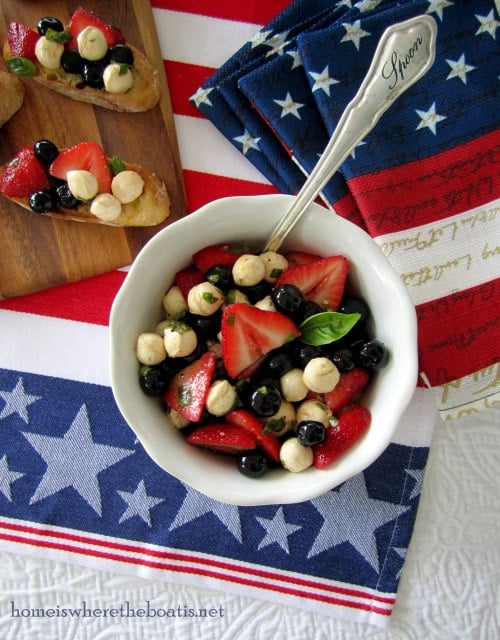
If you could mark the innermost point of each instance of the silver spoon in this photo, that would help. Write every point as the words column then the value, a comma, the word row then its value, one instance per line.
column 406, row 51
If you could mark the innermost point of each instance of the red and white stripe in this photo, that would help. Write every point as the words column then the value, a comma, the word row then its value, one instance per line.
column 360, row 604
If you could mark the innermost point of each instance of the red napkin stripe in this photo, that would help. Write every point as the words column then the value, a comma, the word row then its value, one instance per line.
column 440, row 182
column 441, row 328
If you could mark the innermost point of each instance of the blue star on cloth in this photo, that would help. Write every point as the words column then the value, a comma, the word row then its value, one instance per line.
column 82, row 487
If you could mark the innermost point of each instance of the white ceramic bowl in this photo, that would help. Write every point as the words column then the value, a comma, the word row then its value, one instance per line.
column 138, row 307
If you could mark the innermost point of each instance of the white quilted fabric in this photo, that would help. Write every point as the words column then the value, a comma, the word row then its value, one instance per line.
column 449, row 588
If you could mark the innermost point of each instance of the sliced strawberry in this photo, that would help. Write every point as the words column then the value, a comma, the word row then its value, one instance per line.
column 268, row 442
column 223, row 437
column 296, row 258
column 87, row 156
column 322, row 281
column 83, row 18
column 248, row 333
column 225, row 254
column 187, row 278
column 22, row 41
column 349, row 386
column 23, row 175
column 352, row 425
column 188, row 389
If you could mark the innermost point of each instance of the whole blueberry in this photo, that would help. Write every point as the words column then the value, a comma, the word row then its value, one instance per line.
column 42, row 201
column 288, row 299
column 46, row 151
column 153, row 381
column 253, row 465
column 265, row 400
column 310, row 432
column 371, row 354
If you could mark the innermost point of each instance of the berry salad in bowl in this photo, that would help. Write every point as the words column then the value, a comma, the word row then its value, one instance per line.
column 261, row 377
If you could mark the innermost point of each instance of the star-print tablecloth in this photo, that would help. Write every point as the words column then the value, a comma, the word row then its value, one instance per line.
column 76, row 485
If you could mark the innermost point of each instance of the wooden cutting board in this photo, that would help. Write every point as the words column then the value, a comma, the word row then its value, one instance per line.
column 37, row 252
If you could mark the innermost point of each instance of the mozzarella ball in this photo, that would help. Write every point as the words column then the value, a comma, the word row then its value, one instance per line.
column 293, row 387
column 82, row 184
column 274, row 264
column 221, row 398
column 161, row 326
column 178, row 420
column 321, row 375
column 106, row 207
column 235, row 295
column 266, row 304
column 174, row 302
column 204, row 299
column 295, row 456
column 313, row 410
column 127, row 186
column 282, row 421
column 117, row 78
column 150, row 349
column 92, row 44
column 180, row 340
column 48, row 52
column 248, row 270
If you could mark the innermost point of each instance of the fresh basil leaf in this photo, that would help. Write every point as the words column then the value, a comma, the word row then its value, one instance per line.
column 327, row 326
column 123, row 68
column 58, row 36
column 21, row 66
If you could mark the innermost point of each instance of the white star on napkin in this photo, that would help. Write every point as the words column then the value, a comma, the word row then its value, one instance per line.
column 247, row 142
column 429, row 118
column 17, row 401
column 288, row 106
column 350, row 515
column 196, row 504
column 459, row 69
column 74, row 460
column 7, row 477
column 139, row 504
column 277, row 531
column 322, row 81
column 354, row 33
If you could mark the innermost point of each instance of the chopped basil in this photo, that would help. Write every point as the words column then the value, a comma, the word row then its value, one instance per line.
column 239, row 248
column 209, row 297
column 58, row 36
column 123, row 68
column 326, row 327
column 275, row 425
column 21, row 66
column 178, row 326
column 275, row 273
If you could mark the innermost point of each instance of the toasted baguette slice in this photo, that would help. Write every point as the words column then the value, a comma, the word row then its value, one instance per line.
column 11, row 96
column 149, row 209
column 142, row 96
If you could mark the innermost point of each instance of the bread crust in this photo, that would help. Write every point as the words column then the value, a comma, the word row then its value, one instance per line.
column 142, row 96
column 151, row 208
column 11, row 96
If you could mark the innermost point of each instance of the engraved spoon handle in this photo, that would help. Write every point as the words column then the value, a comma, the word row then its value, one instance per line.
column 404, row 54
